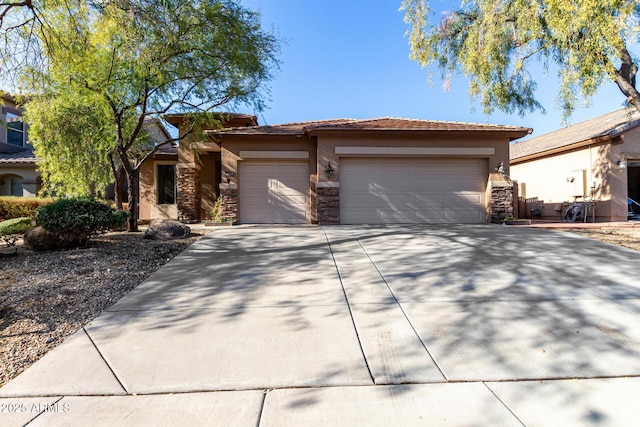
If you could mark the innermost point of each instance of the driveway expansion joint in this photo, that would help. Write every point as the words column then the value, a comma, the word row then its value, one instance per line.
column 105, row 360
column 346, row 297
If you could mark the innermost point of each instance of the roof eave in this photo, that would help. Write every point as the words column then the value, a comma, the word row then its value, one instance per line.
column 513, row 133
column 609, row 138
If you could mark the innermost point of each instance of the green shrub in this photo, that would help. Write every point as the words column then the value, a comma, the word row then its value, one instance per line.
column 15, row 226
column 11, row 228
column 79, row 217
column 18, row 207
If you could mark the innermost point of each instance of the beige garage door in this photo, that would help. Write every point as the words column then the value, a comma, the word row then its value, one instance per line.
column 412, row 191
column 274, row 193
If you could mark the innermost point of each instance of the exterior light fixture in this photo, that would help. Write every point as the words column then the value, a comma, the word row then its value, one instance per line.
column 622, row 163
column 229, row 175
column 329, row 170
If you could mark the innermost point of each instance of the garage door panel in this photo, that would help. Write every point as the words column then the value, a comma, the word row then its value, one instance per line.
column 395, row 199
column 467, row 198
column 274, row 193
column 399, row 216
column 412, row 190
column 432, row 198
column 290, row 217
column 467, row 216
column 295, row 200
column 435, row 216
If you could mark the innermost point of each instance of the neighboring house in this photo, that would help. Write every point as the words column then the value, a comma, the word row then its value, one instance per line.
column 18, row 176
column 596, row 161
column 18, row 164
column 349, row 171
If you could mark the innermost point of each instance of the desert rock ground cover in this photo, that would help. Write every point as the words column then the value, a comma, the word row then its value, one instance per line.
column 47, row 296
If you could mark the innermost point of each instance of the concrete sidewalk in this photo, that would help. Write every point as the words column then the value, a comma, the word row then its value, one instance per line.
column 455, row 325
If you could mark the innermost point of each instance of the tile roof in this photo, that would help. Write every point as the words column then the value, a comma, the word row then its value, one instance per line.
column 378, row 124
column 606, row 126
column 22, row 157
column 169, row 149
column 281, row 129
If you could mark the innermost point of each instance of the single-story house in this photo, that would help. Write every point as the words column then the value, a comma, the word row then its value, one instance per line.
column 18, row 176
column 349, row 171
column 596, row 161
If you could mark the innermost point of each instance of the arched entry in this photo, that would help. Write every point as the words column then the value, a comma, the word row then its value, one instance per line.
column 11, row 185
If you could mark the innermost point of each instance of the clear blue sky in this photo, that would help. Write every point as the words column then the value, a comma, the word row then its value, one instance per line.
column 350, row 58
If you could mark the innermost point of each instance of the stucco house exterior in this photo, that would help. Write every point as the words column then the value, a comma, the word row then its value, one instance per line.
column 160, row 179
column 18, row 176
column 596, row 161
column 348, row 171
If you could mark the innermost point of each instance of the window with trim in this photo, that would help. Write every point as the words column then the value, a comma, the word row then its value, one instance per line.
column 16, row 134
column 166, row 184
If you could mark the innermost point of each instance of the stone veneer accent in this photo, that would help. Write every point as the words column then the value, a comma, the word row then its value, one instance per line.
column 188, row 193
column 328, row 205
column 229, row 203
column 501, row 202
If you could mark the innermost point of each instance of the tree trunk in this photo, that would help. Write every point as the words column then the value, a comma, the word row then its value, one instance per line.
column 625, row 78
column 132, row 180
column 118, row 190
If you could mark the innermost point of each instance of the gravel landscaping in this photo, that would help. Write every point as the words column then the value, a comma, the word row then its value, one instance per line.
column 627, row 237
column 47, row 296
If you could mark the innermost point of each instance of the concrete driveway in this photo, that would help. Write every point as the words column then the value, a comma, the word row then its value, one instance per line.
column 399, row 325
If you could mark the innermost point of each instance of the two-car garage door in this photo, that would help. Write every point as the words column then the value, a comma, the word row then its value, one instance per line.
column 419, row 190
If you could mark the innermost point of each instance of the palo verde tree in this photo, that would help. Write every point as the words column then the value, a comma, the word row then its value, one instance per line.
column 494, row 42
column 120, row 64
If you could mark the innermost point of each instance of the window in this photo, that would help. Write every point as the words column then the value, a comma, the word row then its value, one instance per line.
column 16, row 187
column 15, row 130
column 166, row 184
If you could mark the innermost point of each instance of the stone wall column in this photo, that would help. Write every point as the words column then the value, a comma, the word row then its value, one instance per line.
column 501, row 201
column 229, row 205
column 188, row 192
column 328, row 194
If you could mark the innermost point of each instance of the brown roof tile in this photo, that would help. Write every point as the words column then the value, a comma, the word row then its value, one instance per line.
column 379, row 124
column 22, row 157
column 606, row 126
column 28, row 157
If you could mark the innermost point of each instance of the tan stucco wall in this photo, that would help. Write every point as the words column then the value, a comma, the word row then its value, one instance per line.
column 631, row 149
column 149, row 209
column 547, row 178
column 29, row 175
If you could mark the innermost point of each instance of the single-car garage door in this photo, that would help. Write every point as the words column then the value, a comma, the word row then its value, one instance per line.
column 274, row 193
column 403, row 191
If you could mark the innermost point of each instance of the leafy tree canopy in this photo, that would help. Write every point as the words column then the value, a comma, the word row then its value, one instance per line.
column 102, row 69
column 495, row 41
